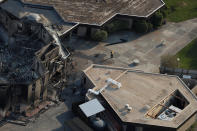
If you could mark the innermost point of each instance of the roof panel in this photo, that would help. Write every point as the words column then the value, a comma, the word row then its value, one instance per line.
column 91, row 107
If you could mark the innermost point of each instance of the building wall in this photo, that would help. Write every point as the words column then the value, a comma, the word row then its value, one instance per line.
column 38, row 28
column 188, row 123
column 45, row 94
column 10, row 24
column 82, row 31
column 29, row 95
column 129, row 20
column 87, row 83
column 194, row 90
column 38, row 89
column 93, row 30
column 45, row 36
column 4, row 92
column 141, row 127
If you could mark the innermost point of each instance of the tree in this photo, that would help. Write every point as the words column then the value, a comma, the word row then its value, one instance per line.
column 157, row 19
column 100, row 35
column 117, row 25
column 150, row 27
column 141, row 26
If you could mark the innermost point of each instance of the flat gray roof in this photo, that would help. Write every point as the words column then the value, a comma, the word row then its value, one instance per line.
column 142, row 91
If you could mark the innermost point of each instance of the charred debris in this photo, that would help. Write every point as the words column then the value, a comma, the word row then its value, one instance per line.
column 33, row 68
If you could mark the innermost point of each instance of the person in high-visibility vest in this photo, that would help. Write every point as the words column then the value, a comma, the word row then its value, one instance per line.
column 112, row 54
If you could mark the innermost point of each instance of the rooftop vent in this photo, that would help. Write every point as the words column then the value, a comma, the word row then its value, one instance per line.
column 109, row 81
column 128, row 107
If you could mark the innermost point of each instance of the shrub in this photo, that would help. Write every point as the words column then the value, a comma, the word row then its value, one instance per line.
column 141, row 26
column 110, row 27
column 169, row 61
column 157, row 19
column 117, row 25
column 100, row 35
column 164, row 13
column 150, row 27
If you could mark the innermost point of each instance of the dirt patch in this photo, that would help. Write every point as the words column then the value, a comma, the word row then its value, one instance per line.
column 183, row 4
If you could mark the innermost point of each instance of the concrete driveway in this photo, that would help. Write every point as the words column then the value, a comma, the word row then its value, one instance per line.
column 147, row 48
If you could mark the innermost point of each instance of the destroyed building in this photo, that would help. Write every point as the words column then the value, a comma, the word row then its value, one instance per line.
column 31, row 55
column 133, row 100
column 83, row 16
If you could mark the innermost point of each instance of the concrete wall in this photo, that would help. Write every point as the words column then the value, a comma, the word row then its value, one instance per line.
column 179, row 72
column 194, row 90
column 46, row 78
column 45, row 94
column 82, row 31
column 10, row 24
column 93, row 30
column 187, row 124
column 4, row 91
column 29, row 94
column 129, row 20
column 138, row 128
column 45, row 36
column 86, row 82
column 38, row 89
column 4, row 18
column 144, row 127
column 141, row 127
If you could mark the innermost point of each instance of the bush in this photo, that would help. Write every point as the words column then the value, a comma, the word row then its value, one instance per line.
column 100, row 35
column 164, row 13
column 150, row 27
column 117, row 25
column 157, row 19
column 169, row 61
column 141, row 26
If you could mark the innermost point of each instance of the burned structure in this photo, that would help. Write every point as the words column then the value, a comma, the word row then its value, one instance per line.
column 31, row 55
column 134, row 100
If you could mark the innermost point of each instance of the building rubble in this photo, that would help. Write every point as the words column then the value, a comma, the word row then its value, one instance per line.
column 33, row 68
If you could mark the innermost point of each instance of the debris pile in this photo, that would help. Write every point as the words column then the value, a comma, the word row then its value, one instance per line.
column 33, row 66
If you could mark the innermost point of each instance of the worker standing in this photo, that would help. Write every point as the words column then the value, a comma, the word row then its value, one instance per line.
column 112, row 54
